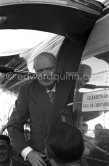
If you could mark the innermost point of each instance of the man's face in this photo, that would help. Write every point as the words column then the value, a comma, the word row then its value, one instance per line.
column 45, row 68
column 4, row 151
column 85, row 76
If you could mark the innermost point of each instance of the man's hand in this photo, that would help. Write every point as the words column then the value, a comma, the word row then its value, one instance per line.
column 35, row 158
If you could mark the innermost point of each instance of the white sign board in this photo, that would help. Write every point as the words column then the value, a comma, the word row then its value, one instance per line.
column 95, row 101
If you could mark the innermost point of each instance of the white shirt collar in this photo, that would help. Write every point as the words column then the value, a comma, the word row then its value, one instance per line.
column 53, row 89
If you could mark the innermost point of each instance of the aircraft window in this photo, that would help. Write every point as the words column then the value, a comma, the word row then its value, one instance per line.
column 17, row 51
column 91, row 105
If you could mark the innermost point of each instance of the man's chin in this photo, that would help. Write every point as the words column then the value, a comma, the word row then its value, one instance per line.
column 46, row 83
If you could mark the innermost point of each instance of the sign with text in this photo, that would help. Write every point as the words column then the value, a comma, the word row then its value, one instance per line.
column 95, row 101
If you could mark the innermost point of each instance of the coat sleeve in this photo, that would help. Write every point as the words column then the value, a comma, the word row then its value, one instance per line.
column 17, row 120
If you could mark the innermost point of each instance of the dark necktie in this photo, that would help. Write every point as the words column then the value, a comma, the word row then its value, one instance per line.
column 51, row 95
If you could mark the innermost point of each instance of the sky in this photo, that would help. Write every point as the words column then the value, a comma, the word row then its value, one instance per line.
column 15, row 41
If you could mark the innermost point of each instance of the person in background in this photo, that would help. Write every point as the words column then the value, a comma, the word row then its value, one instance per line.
column 98, row 131
column 6, row 154
column 44, row 101
column 65, row 146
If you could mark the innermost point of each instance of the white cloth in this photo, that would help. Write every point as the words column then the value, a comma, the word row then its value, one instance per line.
column 25, row 152
column 53, row 89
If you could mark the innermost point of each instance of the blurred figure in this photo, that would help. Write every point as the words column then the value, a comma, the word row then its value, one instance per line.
column 84, row 75
column 65, row 146
column 6, row 155
column 98, row 131
column 84, row 128
column 5, row 151
column 99, row 155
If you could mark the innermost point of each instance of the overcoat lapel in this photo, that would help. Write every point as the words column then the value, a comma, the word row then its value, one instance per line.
column 40, row 97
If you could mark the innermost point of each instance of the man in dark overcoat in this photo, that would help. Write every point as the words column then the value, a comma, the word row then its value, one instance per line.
column 44, row 101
